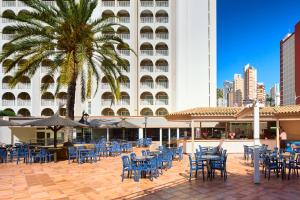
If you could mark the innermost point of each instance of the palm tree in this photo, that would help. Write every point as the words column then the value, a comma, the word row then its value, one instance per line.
column 76, row 43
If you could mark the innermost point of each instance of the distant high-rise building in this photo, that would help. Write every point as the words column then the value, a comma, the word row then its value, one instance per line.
column 261, row 93
column 250, row 84
column 238, row 90
column 290, row 68
column 275, row 95
column 231, row 99
column 227, row 88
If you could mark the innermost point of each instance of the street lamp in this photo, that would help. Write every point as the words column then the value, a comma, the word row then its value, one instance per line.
column 146, row 119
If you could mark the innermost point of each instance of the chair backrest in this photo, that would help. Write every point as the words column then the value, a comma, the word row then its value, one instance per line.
column 132, row 156
column 126, row 161
column 190, row 160
column 144, row 153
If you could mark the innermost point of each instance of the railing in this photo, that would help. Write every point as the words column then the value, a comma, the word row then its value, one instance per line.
column 4, row 20
column 45, row 69
column 21, row 102
column 124, row 3
column 60, row 102
column 146, row 68
column 124, row 52
column 147, row 52
column 8, row 102
column 146, row 3
column 47, row 102
column 104, row 86
column 23, row 85
column 51, row 86
column 163, row 36
column 124, row 71
column 8, row 3
column 12, row 71
column 162, row 85
column 162, row 19
column 125, row 85
column 106, row 102
column 6, row 36
column 124, row 36
column 162, row 68
column 162, row 102
column 49, row 3
column 147, row 35
column 110, row 20
column 146, row 102
column 146, row 85
column 21, row 4
column 124, row 19
column 146, row 19
column 108, row 3
column 124, row 102
column 162, row 52
column 5, row 86
column 162, row 3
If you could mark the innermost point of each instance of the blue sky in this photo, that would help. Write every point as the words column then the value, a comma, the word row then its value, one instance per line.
column 249, row 31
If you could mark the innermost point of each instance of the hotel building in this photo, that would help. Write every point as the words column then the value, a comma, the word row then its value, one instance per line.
column 175, row 66
column 261, row 94
column 250, row 84
column 290, row 68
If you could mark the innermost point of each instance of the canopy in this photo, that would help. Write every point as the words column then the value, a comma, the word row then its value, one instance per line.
column 7, row 123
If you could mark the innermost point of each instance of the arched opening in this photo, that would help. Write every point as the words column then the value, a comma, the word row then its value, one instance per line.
column 24, row 112
column 47, row 99
column 47, row 112
column 162, row 33
column 146, row 82
column 124, row 82
column 61, row 98
column 6, row 47
column 162, row 49
column 10, row 111
column 5, row 82
column 124, row 16
column 124, row 49
column 123, row 33
column 124, row 63
column 107, row 99
column 146, row 98
column 6, row 64
column 7, row 33
column 23, row 13
column 162, row 82
column 162, row 65
column 108, row 112
column 146, row 112
column 62, row 111
column 146, row 65
column 146, row 49
column 108, row 15
column 162, row 16
column 146, row 16
column 123, row 112
column 146, row 32
column 104, row 83
column 46, row 65
column 24, row 83
column 24, row 99
column 161, row 112
column 48, row 80
column 109, row 31
column 125, row 99
column 162, row 98
column 8, row 99
column 7, row 13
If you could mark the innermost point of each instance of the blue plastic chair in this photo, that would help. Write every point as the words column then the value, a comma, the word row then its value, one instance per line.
column 152, row 168
column 180, row 153
column 144, row 153
column 195, row 166
column 126, row 167
column 167, row 159
column 22, row 153
column 72, row 154
column 220, row 165
column 3, row 155
column 271, row 164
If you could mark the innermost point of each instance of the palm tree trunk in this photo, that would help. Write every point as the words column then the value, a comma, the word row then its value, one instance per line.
column 71, row 97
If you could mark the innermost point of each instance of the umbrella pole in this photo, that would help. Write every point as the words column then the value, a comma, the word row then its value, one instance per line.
column 55, row 137
column 123, row 133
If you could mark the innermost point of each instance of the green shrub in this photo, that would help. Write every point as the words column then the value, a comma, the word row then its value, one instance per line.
column 7, row 113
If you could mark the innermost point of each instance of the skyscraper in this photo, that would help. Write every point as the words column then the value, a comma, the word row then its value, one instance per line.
column 250, row 84
column 227, row 88
column 261, row 94
column 290, row 68
column 173, row 70
column 238, row 90
column 275, row 95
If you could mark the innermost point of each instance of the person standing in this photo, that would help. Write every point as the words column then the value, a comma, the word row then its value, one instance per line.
column 283, row 139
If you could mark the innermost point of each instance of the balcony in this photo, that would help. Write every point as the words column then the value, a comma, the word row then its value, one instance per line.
column 21, row 102
column 110, row 20
column 161, row 102
column 21, row 4
column 124, row 102
column 162, row 36
column 147, row 85
column 106, row 102
column 146, row 69
column 6, row 36
column 124, row 52
column 49, row 3
column 162, row 3
column 162, row 19
column 108, row 3
column 147, row 52
column 124, row 3
column 6, row 102
column 124, row 20
column 148, row 36
column 60, row 102
column 147, row 3
column 23, row 85
column 125, row 86
column 47, row 102
column 162, row 85
column 8, row 3
column 162, row 52
column 45, row 69
column 146, row 19
column 162, row 68
column 4, row 20
column 146, row 102
column 105, row 86
column 124, row 36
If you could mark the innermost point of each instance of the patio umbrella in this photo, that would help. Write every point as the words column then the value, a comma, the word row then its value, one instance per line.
column 100, row 123
column 55, row 123
column 125, row 124
column 7, row 123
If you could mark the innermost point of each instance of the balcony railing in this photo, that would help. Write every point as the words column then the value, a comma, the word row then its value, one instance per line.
column 104, row 86
column 163, row 36
column 146, row 19
column 124, row 52
column 7, row 36
column 106, row 102
column 51, row 86
column 146, row 3
column 160, row 102
column 147, row 52
column 125, row 85
column 148, row 36
column 162, row 19
column 146, row 85
column 146, row 69
column 6, row 102
column 12, row 71
column 110, row 20
column 162, row 52
column 146, row 102
column 124, row 3
column 49, row 3
column 21, row 102
column 21, row 4
column 108, row 3
column 23, row 85
column 162, row 68
column 124, row 19
column 8, row 3
column 60, row 102
column 4, row 20
column 124, row 36
column 124, row 102
column 47, row 102
column 45, row 69
column 162, row 85
column 162, row 3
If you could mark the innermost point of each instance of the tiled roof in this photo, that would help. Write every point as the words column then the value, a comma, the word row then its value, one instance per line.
column 209, row 111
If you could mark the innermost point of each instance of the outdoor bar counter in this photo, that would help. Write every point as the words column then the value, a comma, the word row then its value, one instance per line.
column 232, row 146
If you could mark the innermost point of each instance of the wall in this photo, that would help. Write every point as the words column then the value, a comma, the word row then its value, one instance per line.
column 292, row 128
column 22, row 134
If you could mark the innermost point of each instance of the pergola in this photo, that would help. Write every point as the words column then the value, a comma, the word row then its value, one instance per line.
column 237, row 114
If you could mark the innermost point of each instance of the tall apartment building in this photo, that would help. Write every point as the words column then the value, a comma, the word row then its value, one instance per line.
column 250, row 84
column 238, row 90
column 275, row 95
column 261, row 94
column 173, row 69
column 227, row 88
column 290, row 68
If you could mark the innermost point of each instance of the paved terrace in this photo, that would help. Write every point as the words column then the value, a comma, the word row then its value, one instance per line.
column 102, row 180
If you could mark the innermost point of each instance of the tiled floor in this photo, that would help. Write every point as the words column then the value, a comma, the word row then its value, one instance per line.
column 102, row 180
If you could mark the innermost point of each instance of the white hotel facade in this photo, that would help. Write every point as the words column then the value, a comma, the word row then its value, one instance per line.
column 174, row 69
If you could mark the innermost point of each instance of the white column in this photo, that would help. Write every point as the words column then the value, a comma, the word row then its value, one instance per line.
column 107, row 134
column 141, row 133
column 169, row 136
column 160, row 137
column 277, row 134
column 177, row 131
column 256, row 128
column 193, row 135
